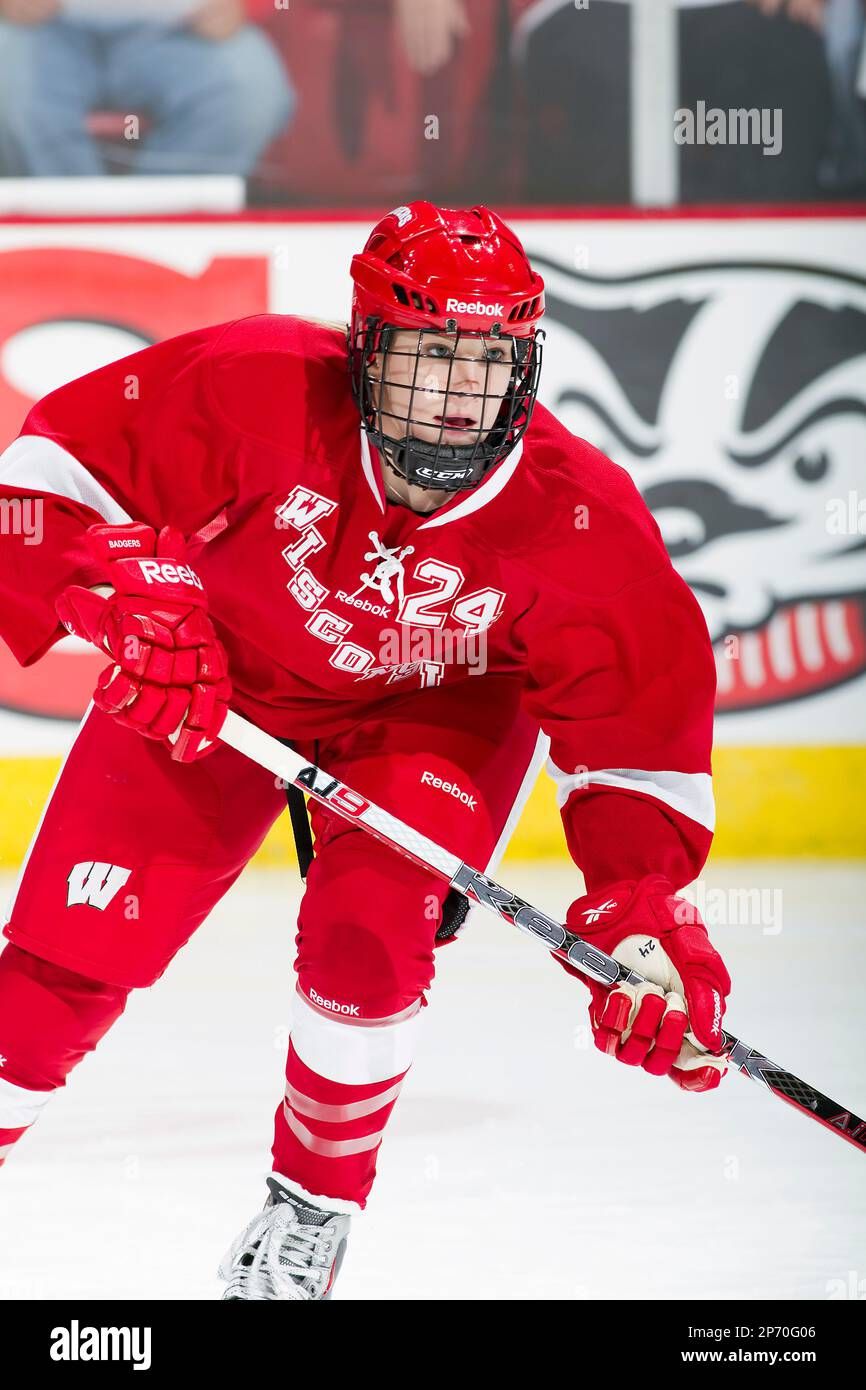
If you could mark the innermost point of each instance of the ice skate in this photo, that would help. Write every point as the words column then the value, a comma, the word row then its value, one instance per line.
column 292, row 1250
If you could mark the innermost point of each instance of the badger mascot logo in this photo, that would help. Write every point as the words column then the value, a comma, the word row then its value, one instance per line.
column 735, row 396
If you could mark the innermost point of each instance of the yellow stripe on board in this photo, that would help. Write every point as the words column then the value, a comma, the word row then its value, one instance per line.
column 770, row 801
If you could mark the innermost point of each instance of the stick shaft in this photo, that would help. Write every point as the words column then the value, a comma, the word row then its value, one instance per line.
column 290, row 767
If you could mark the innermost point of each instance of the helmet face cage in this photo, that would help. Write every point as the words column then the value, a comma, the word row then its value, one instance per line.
column 447, row 467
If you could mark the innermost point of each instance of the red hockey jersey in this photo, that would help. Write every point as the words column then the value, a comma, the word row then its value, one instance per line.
column 332, row 601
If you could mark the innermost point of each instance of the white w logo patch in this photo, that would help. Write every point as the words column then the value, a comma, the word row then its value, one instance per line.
column 95, row 884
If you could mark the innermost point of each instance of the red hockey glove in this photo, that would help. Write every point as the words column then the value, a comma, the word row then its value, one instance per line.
column 169, row 679
column 645, row 927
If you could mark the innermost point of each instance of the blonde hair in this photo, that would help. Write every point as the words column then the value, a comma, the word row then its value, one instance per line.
column 341, row 328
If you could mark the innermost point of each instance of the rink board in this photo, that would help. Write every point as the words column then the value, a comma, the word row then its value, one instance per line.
column 769, row 801
column 716, row 355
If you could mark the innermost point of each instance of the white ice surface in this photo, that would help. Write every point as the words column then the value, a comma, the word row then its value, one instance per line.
column 519, row 1161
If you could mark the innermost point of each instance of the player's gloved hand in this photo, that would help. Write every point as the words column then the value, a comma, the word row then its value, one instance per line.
column 169, row 677
column 646, row 927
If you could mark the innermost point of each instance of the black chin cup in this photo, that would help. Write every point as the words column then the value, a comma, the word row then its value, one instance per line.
column 443, row 467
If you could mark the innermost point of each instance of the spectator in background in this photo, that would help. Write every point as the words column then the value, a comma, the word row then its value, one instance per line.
column 211, row 85
column 574, row 66
column 842, row 26
column 430, row 32
column 377, row 76
column 457, row 51
column 576, row 70
column 844, row 168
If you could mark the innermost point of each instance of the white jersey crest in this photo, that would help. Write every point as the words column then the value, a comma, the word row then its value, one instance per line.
column 389, row 567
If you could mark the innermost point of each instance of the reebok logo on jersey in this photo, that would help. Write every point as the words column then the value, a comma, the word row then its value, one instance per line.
column 474, row 306
column 377, row 609
column 592, row 914
column 450, row 787
column 333, row 1005
column 161, row 572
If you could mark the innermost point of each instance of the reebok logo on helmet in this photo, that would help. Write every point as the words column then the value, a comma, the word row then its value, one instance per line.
column 473, row 306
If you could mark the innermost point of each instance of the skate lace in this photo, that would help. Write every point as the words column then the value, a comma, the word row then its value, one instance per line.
column 279, row 1258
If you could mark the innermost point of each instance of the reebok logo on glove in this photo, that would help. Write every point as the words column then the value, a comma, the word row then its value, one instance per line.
column 592, row 914
column 168, row 677
column 157, row 572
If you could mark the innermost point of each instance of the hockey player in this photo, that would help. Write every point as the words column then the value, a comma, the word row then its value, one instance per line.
column 270, row 516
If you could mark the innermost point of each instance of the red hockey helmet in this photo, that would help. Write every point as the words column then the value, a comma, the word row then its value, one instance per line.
column 460, row 274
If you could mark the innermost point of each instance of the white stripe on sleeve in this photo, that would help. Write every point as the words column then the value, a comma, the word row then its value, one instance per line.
column 19, row 1107
column 40, row 465
column 690, row 793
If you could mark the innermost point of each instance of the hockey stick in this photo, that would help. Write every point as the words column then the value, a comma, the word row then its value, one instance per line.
column 290, row 767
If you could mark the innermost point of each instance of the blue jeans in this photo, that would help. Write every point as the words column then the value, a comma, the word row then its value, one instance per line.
column 213, row 106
